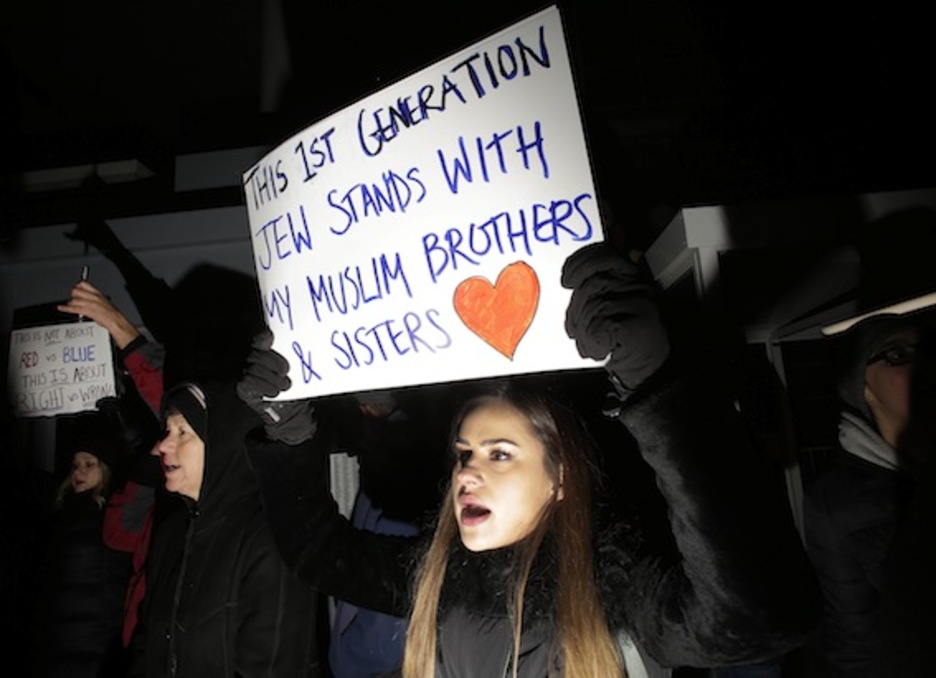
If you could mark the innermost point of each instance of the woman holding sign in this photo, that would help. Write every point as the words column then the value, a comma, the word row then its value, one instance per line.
column 518, row 576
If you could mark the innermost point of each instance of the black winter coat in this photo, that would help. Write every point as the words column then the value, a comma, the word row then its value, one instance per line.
column 220, row 602
column 738, row 588
column 869, row 534
column 82, row 601
column 851, row 515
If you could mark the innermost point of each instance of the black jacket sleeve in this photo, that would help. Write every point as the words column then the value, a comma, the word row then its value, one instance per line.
column 319, row 544
column 739, row 588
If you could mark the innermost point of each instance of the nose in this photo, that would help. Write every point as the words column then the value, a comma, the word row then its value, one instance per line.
column 163, row 446
column 467, row 473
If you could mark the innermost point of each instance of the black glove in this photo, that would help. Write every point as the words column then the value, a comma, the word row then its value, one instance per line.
column 289, row 421
column 613, row 311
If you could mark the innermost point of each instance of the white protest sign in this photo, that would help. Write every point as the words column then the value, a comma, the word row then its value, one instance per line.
column 60, row 369
column 418, row 235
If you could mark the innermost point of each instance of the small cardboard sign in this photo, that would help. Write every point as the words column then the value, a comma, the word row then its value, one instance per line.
column 418, row 235
column 60, row 369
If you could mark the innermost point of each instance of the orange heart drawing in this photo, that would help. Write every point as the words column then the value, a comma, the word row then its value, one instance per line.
column 500, row 313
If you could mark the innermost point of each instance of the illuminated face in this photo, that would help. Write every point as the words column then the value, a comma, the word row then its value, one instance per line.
column 888, row 380
column 86, row 473
column 182, row 454
column 500, row 485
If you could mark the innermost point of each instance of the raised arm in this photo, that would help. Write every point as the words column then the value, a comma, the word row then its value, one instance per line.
column 88, row 301
column 151, row 295
column 739, row 587
column 143, row 359
column 321, row 546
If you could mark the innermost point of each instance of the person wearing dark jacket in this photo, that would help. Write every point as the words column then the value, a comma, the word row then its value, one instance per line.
column 219, row 600
column 517, row 578
column 85, row 581
column 855, row 509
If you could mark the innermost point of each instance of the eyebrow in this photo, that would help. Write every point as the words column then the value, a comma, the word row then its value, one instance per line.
column 489, row 442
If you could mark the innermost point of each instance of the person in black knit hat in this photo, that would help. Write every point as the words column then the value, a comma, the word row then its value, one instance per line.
column 219, row 600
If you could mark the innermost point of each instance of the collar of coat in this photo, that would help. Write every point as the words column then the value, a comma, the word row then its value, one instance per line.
column 481, row 582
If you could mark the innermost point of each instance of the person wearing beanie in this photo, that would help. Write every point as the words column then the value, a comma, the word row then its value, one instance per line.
column 852, row 512
column 219, row 600
column 80, row 605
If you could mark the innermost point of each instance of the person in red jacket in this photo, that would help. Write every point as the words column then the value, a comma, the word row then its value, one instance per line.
column 129, row 513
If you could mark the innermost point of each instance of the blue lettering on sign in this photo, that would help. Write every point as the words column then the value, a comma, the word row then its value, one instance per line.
column 78, row 354
column 316, row 154
column 279, row 305
column 489, row 153
column 276, row 240
column 380, row 126
column 485, row 71
column 305, row 363
column 351, row 288
column 507, row 64
column 266, row 183
column 394, row 193
column 390, row 338
column 556, row 223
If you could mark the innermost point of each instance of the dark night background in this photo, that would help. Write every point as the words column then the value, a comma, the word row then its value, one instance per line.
column 685, row 102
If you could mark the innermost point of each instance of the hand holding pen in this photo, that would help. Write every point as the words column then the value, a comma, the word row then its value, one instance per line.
column 87, row 301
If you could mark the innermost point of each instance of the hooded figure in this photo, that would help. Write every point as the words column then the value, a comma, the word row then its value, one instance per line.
column 854, row 510
column 867, row 512
column 219, row 601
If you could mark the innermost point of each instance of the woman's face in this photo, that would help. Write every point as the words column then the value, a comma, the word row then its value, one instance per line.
column 888, row 380
column 182, row 454
column 86, row 473
column 500, row 485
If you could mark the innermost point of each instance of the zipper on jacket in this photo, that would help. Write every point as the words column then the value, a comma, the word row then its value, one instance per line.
column 177, row 596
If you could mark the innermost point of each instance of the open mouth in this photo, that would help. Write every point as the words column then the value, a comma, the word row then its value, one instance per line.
column 473, row 514
column 169, row 468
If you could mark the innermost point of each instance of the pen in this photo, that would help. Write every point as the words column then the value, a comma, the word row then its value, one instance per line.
column 84, row 276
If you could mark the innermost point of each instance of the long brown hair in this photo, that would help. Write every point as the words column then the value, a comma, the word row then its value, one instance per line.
column 99, row 493
column 582, row 635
